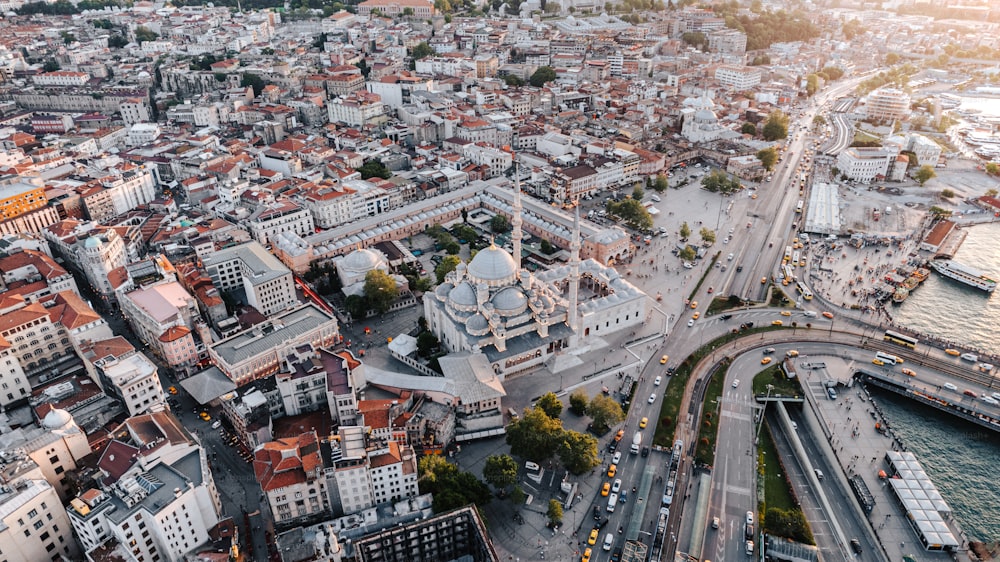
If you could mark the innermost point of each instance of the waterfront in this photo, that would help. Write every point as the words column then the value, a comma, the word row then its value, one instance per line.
column 955, row 312
column 960, row 458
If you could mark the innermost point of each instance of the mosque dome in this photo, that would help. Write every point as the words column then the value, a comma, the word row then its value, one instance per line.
column 706, row 116
column 361, row 260
column 477, row 325
column 493, row 266
column 463, row 295
column 510, row 301
column 57, row 419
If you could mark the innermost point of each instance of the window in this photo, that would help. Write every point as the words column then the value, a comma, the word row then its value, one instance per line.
column 33, row 513
column 38, row 524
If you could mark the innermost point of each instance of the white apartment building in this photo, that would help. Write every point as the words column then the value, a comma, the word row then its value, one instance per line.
column 143, row 133
column 393, row 473
column 61, row 78
column 290, row 473
column 395, row 91
column 154, row 309
column 33, row 524
column 134, row 380
column 130, row 186
column 866, row 165
column 14, row 383
column 357, row 109
column 358, row 478
column 314, row 379
column 729, row 41
column 267, row 283
column 499, row 161
column 134, row 110
column 33, row 338
column 258, row 352
column 282, row 216
column 887, row 104
column 738, row 78
column 330, row 205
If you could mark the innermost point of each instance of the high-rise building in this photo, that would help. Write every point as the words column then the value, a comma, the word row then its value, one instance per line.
column 887, row 104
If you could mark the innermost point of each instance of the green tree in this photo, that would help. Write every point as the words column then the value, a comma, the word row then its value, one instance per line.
column 661, row 184
column 947, row 193
column 500, row 471
column 451, row 487
column 550, row 404
column 819, row 120
column 517, row 495
column 993, row 169
column 267, row 51
column 447, row 265
column 812, row 84
column 499, row 224
column 555, row 512
column 696, row 39
column 891, row 59
column 707, row 235
column 51, row 65
column 688, row 253
column 542, row 76
column 252, row 80
column 578, row 402
column 605, row 412
column 422, row 50
column 513, row 80
column 832, row 72
column 991, row 192
column 374, row 169
column 117, row 41
column 578, row 452
column 465, row 232
column 534, row 436
column 685, row 230
column 749, row 129
column 143, row 34
column 427, row 342
column 357, row 307
column 776, row 126
column 631, row 212
column 924, row 174
column 720, row 182
column 547, row 248
column 67, row 37
column 768, row 157
column 638, row 193
column 938, row 212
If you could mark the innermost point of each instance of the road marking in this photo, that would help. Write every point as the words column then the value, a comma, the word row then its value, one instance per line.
column 736, row 415
column 737, row 490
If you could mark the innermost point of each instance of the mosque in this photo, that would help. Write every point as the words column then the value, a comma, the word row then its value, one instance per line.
column 699, row 122
column 521, row 320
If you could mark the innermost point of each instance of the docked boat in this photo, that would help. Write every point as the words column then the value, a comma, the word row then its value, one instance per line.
column 964, row 274
column 900, row 295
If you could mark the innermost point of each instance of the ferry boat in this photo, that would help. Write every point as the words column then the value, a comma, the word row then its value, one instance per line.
column 900, row 295
column 964, row 274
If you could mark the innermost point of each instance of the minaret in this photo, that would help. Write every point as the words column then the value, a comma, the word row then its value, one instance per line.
column 574, row 277
column 515, row 221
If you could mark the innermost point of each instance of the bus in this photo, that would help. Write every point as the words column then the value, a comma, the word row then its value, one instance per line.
column 804, row 291
column 788, row 253
column 798, row 208
column 887, row 358
column 795, row 259
column 900, row 339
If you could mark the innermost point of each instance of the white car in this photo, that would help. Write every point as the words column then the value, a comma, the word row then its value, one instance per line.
column 657, row 381
column 616, row 458
column 617, row 486
column 749, row 518
column 690, row 322
column 736, row 383
column 652, row 398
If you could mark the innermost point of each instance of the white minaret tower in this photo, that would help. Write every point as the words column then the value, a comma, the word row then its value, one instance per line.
column 574, row 277
column 516, row 221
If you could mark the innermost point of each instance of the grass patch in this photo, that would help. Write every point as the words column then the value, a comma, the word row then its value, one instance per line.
column 722, row 304
column 676, row 384
column 777, row 492
column 779, row 382
column 708, row 430
column 778, row 297
column 862, row 138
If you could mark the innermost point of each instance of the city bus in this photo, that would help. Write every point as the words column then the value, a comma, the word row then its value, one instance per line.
column 887, row 358
column 900, row 339
column 798, row 208
column 804, row 291
column 795, row 259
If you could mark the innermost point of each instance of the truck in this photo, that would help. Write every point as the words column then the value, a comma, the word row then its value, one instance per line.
column 636, row 442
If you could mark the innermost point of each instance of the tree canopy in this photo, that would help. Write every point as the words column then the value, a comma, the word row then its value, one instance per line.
column 578, row 451
column 661, row 183
column 451, row 487
column 534, row 436
column 685, row 230
column 720, row 182
column 447, row 265
column 543, row 75
column 768, row 157
column 422, row 50
column 380, row 290
column 924, row 174
column 631, row 212
column 605, row 411
column 550, row 404
column 499, row 224
column 373, row 168
column 776, row 126
column 500, row 471
column 708, row 235
column 749, row 129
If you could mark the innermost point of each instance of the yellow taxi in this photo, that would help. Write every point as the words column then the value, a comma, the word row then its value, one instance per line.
column 172, row 390
column 606, row 489
column 792, row 353
column 643, row 422
column 694, row 304
column 802, row 263
column 592, row 539
column 909, row 373
column 878, row 362
column 663, row 360
column 953, row 352
column 777, row 323
column 696, row 316
column 612, row 470
column 586, row 555
column 785, row 313
column 765, row 360
column 754, row 196
column 763, row 280
column 205, row 417
column 827, row 315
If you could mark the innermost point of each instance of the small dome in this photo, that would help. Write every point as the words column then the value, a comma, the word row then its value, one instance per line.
column 477, row 325
column 57, row 419
column 462, row 295
column 361, row 259
column 492, row 264
column 510, row 300
column 705, row 116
